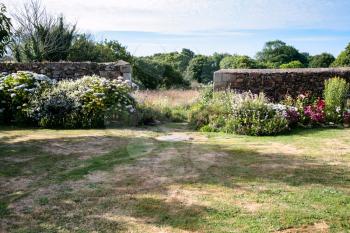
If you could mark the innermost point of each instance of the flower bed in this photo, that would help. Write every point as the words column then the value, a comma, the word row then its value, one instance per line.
column 250, row 114
column 89, row 102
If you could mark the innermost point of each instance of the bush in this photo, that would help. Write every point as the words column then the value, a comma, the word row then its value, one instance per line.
column 16, row 91
column 291, row 65
column 209, row 112
column 238, row 113
column 85, row 103
column 335, row 94
column 238, row 62
column 253, row 115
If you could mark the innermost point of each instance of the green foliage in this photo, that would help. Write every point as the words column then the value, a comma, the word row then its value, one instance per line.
column 335, row 94
column 238, row 62
column 201, row 69
column 322, row 60
column 44, row 41
column 292, row 64
column 5, row 30
column 276, row 53
column 179, row 61
column 86, row 49
column 343, row 60
column 150, row 114
column 150, row 74
column 254, row 116
column 88, row 102
column 237, row 113
column 16, row 90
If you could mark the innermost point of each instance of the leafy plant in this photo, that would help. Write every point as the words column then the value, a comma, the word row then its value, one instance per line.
column 16, row 91
column 292, row 64
column 88, row 102
column 253, row 115
column 335, row 94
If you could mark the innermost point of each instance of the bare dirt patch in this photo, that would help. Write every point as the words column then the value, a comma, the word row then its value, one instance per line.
column 85, row 148
column 320, row 227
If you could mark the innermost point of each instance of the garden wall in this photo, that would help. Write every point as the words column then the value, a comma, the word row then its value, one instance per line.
column 277, row 82
column 71, row 70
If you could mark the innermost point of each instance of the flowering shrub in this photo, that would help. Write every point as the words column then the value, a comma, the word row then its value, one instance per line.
column 16, row 90
column 240, row 113
column 254, row 115
column 315, row 112
column 85, row 103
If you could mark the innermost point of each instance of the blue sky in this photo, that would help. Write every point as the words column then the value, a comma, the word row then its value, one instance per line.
column 207, row 26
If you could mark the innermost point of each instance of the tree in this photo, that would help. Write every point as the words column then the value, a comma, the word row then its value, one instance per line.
column 40, row 36
column 292, row 64
column 323, row 60
column 343, row 60
column 5, row 30
column 86, row 49
column 217, row 57
column 201, row 69
column 151, row 74
column 276, row 53
column 179, row 61
column 238, row 62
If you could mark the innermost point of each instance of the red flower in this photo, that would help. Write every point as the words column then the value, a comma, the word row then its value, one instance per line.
column 321, row 104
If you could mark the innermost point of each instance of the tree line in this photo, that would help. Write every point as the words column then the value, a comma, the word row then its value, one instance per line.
column 40, row 36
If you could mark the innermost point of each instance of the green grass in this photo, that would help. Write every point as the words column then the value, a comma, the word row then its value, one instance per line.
column 213, row 182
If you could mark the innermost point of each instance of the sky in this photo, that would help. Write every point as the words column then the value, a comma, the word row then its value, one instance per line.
column 207, row 26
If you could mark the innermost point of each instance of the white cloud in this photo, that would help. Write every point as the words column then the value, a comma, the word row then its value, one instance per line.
column 199, row 15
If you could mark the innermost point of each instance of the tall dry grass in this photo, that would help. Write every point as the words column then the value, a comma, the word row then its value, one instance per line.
column 168, row 98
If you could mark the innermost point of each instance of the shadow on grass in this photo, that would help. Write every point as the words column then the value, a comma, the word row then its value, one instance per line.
column 237, row 166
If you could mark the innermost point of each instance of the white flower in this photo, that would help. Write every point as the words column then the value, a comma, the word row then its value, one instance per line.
column 337, row 109
column 20, row 86
column 1, row 110
column 98, row 94
column 13, row 95
column 19, row 107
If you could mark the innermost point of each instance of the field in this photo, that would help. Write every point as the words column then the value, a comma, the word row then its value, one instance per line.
column 167, row 178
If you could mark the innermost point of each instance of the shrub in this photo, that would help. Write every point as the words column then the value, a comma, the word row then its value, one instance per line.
column 335, row 94
column 210, row 111
column 238, row 113
column 253, row 115
column 292, row 64
column 88, row 102
column 16, row 91
column 316, row 112
column 238, row 62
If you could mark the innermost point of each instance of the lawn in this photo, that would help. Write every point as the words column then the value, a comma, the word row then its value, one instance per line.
column 169, row 179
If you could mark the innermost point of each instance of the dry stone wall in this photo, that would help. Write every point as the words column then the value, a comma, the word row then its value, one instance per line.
column 276, row 83
column 71, row 70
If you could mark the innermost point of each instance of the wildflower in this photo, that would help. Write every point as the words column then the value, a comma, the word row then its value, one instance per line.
column 98, row 94
column 13, row 95
column 338, row 109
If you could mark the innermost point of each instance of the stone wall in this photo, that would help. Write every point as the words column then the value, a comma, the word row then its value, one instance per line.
column 71, row 70
column 276, row 83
